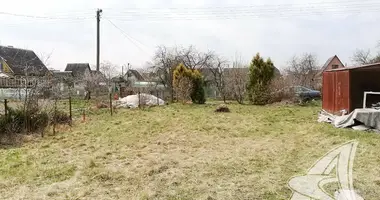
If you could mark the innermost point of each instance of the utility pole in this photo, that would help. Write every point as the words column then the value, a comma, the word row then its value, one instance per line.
column 98, row 13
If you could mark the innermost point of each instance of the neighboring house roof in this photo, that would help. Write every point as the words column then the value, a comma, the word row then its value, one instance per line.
column 150, row 76
column 207, row 74
column 373, row 65
column 246, row 70
column 236, row 69
column 99, row 75
column 118, row 79
column 23, row 61
column 59, row 75
column 135, row 73
column 65, row 77
column 78, row 69
column 329, row 61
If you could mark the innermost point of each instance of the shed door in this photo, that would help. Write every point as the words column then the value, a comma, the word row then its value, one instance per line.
column 328, row 94
column 342, row 95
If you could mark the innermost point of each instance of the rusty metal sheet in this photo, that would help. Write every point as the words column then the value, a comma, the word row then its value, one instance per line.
column 328, row 91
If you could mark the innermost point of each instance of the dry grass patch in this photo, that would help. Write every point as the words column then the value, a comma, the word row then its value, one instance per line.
column 183, row 152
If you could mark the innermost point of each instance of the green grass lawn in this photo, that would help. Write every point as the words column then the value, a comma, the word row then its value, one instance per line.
column 183, row 152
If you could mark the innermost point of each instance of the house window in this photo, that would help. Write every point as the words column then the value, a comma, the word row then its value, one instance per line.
column 335, row 66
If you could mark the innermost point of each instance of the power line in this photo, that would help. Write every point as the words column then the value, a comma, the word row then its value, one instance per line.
column 262, row 6
column 260, row 11
column 47, row 22
column 128, row 36
column 234, row 15
column 43, row 17
column 266, row 10
column 239, row 16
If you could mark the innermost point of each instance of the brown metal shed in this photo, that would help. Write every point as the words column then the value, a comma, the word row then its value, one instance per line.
column 343, row 89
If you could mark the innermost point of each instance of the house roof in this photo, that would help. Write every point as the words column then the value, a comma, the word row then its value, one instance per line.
column 246, row 70
column 98, row 74
column 78, row 69
column 329, row 61
column 136, row 74
column 373, row 65
column 207, row 73
column 23, row 60
column 66, row 74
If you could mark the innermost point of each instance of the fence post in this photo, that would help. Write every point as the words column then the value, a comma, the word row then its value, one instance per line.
column 55, row 115
column 111, row 103
column 5, row 107
column 70, row 108
column 139, row 99
column 84, row 115
column 158, row 102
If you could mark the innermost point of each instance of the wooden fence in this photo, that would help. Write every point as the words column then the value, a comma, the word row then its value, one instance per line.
column 21, row 82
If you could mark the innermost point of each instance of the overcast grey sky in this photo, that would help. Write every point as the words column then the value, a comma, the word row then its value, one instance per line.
column 275, row 28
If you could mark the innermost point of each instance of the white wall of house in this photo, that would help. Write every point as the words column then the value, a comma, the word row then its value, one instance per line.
column 12, row 93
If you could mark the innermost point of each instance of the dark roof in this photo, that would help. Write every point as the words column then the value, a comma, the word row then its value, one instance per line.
column 135, row 73
column 78, row 69
column 59, row 75
column 329, row 61
column 20, row 60
column 66, row 77
column 374, row 65
column 246, row 70
column 207, row 73
column 98, row 73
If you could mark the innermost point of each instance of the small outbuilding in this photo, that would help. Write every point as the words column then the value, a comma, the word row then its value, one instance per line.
column 343, row 89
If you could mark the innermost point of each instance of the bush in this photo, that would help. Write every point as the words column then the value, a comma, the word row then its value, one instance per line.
column 261, row 74
column 60, row 118
column 16, row 121
column 198, row 93
column 192, row 88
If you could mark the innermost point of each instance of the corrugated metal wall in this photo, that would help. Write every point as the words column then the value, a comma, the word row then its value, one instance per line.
column 328, row 90
column 344, row 89
column 342, row 93
column 336, row 91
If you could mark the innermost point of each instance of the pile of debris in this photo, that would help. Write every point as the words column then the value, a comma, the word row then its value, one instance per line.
column 134, row 101
column 360, row 119
column 222, row 108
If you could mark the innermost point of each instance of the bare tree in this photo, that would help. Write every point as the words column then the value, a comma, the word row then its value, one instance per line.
column 166, row 59
column 109, row 70
column 217, row 68
column 194, row 59
column 235, row 80
column 303, row 70
column 363, row 57
column 91, row 83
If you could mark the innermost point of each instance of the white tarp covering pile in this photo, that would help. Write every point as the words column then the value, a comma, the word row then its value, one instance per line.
column 132, row 101
column 366, row 118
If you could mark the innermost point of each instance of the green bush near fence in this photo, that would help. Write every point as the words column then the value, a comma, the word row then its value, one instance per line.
column 18, row 121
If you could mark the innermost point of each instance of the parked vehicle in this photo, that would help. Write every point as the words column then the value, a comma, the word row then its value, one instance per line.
column 306, row 93
column 299, row 93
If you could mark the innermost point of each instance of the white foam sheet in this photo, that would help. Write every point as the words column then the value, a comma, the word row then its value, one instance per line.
column 132, row 101
column 369, row 117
